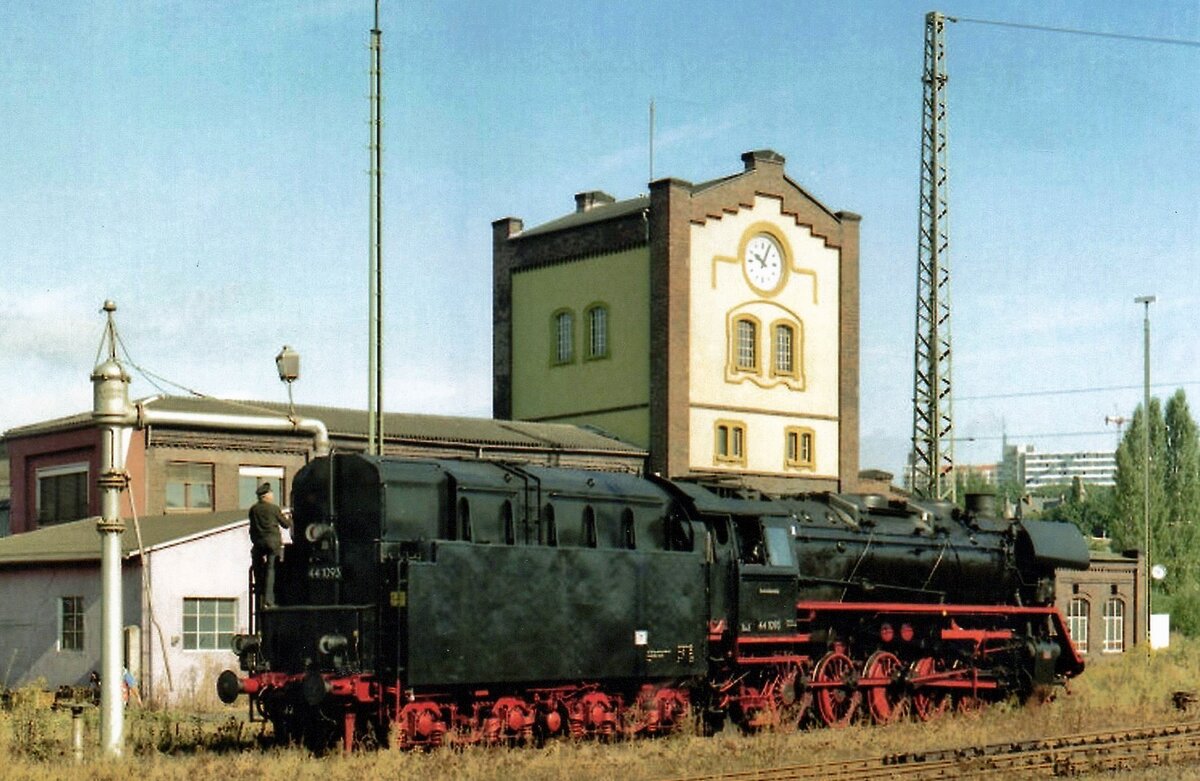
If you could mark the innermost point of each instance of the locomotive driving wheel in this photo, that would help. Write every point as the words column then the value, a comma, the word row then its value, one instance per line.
column 837, row 695
column 888, row 698
column 929, row 702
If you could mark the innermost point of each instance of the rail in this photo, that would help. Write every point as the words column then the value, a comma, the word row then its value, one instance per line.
column 1067, row 755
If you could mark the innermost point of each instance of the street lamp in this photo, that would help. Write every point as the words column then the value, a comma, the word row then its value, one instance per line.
column 1146, row 301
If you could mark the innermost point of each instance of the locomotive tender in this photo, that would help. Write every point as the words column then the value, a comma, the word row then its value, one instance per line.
column 427, row 601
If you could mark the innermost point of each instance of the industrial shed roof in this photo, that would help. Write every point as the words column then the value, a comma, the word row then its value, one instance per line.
column 608, row 211
column 79, row 542
column 351, row 423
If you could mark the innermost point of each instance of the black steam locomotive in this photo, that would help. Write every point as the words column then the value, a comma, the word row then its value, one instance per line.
column 471, row 601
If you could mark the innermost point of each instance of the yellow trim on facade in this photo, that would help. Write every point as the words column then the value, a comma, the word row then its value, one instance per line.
column 789, row 265
column 797, row 380
column 797, row 329
column 733, row 366
column 735, row 443
column 804, row 454
column 758, row 411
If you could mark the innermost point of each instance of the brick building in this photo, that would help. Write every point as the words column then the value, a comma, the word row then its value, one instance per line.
column 198, row 466
column 714, row 324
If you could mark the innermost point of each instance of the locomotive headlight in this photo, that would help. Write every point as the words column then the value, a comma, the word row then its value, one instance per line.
column 332, row 644
column 242, row 644
column 315, row 532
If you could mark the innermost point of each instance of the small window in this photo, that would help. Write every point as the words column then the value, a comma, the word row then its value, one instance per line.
column 745, row 333
column 62, row 493
column 1077, row 623
column 1114, row 626
column 189, row 486
column 783, row 338
column 464, row 519
column 551, row 525
column 589, row 527
column 729, row 445
column 628, row 535
column 208, row 623
column 563, row 350
column 779, row 547
column 506, row 518
column 799, row 452
column 70, row 624
column 597, row 317
column 251, row 477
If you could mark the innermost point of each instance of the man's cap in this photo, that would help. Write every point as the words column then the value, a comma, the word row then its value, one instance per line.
column 265, row 488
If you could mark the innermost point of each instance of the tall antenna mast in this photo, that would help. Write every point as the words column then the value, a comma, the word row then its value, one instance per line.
column 375, row 361
column 651, row 179
column 933, row 418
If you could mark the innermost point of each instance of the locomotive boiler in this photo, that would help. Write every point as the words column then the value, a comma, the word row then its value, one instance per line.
column 427, row 601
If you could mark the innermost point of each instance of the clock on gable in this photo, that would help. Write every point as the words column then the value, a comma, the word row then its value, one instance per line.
column 764, row 263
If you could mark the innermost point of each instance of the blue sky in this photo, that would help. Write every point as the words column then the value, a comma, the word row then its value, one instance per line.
column 205, row 164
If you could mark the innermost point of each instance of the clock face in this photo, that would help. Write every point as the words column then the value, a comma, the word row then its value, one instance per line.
column 763, row 263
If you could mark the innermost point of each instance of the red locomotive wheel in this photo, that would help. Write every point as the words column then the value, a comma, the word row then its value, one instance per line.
column 836, row 705
column 888, row 701
column 929, row 701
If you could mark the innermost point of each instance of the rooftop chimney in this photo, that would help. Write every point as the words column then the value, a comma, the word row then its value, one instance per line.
column 585, row 202
column 760, row 156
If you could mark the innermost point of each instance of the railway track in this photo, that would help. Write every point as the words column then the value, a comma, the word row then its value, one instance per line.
column 1067, row 755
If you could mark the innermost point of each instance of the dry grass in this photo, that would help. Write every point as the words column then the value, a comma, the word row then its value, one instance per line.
column 1126, row 691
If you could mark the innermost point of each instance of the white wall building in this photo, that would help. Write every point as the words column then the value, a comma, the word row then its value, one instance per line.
column 196, row 568
column 1031, row 469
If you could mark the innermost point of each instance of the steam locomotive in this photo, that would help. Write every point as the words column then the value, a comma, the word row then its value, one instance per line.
column 427, row 601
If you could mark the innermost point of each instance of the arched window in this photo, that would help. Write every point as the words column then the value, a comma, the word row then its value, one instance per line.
column 1114, row 626
column 783, row 350
column 628, row 537
column 464, row 519
column 589, row 527
column 506, row 518
column 745, row 344
column 563, row 347
column 597, row 320
column 1077, row 623
column 551, row 526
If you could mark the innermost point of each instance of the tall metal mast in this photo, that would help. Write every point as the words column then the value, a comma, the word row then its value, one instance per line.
column 933, row 418
column 375, row 361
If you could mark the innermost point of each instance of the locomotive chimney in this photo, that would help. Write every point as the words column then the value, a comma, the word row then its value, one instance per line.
column 981, row 505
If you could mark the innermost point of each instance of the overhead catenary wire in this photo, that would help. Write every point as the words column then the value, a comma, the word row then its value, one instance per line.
column 1078, row 31
column 1069, row 391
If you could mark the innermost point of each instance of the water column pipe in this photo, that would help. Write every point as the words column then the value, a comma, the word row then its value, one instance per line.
column 113, row 415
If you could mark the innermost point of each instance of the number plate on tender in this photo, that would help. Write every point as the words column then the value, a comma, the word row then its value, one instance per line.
column 324, row 572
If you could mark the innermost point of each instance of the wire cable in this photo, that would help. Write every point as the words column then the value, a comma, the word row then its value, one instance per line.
column 1076, row 31
column 1067, row 391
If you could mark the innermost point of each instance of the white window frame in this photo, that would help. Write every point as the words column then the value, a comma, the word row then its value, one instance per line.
column 259, row 473
column 1077, row 624
column 62, row 604
column 1114, row 626
column 196, row 633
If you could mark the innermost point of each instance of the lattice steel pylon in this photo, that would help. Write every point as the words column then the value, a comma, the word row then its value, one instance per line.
column 933, row 417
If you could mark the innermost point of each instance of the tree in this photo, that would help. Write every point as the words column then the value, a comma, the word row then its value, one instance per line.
column 1129, row 524
column 1181, row 487
column 1174, row 494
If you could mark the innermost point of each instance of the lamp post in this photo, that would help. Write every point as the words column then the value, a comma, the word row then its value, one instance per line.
column 1146, row 301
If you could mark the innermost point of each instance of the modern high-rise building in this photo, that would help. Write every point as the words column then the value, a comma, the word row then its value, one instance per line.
column 1030, row 469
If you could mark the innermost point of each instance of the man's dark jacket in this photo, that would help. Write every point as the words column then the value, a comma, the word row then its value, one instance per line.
column 265, row 520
